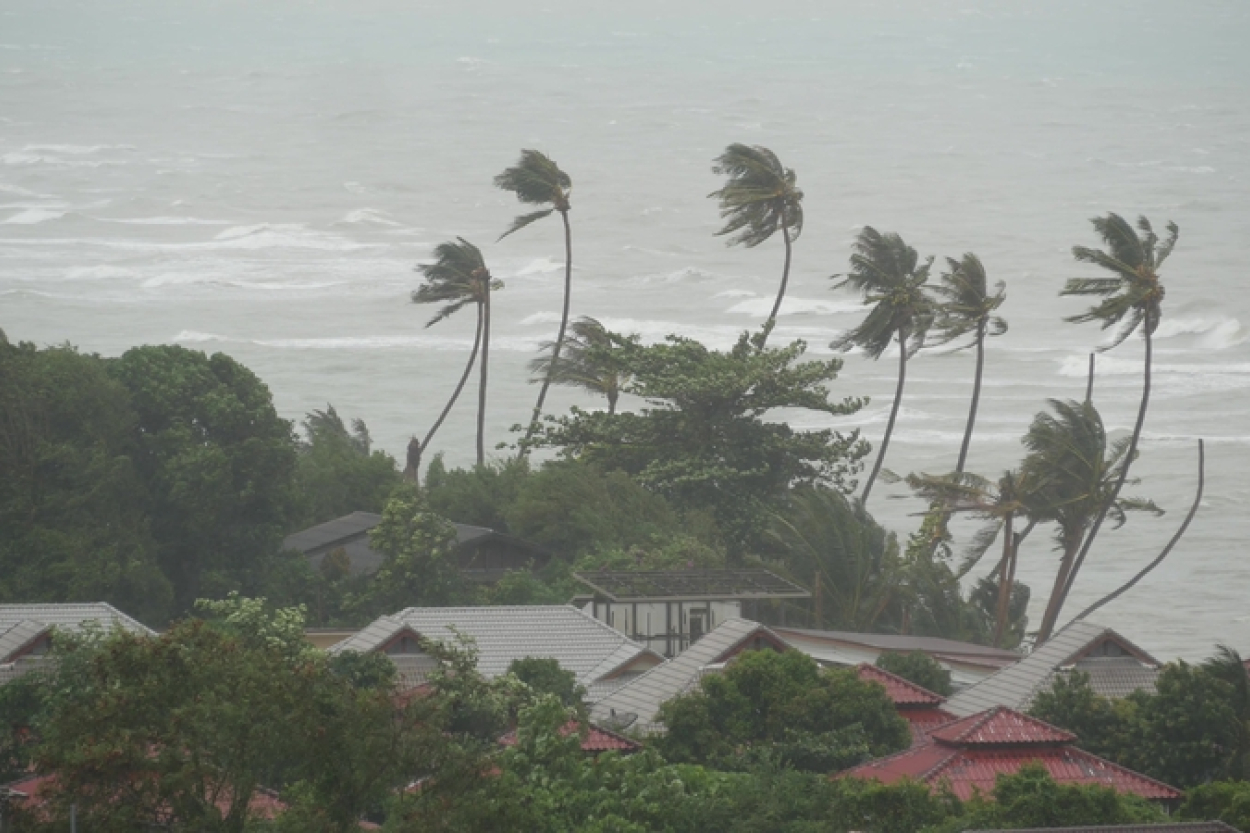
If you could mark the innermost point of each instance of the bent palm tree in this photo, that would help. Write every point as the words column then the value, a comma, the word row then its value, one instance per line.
column 459, row 277
column 536, row 180
column 760, row 197
column 1133, row 300
column 586, row 362
column 891, row 277
column 968, row 307
column 1074, row 472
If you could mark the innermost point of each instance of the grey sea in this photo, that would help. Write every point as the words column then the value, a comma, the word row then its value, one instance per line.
column 259, row 178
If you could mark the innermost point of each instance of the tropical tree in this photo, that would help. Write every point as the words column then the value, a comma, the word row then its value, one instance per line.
column 891, row 278
column 1074, row 471
column 759, row 198
column 966, row 307
column 1132, row 301
column 537, row 180
column 999, row 503
column 459, row 277
column 587, row 362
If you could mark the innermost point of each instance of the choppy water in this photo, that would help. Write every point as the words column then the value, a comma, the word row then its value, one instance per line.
column 260, row 178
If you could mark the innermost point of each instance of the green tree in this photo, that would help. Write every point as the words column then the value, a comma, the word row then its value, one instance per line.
column 74, row 522
column 338, row 472
column 537, row 180
column 890, row 276
column 419, row 564
column 217, row 464
column 1102, row 726
column 459, row 277
column 781, row 704
column 1228, row 666
column 480, row 496
column 760, row 197
column 1226, row 801
column 1132, row 301
column 545, row 676
column 1075, row 470
column 706, row 441
column 587, row 362
column 966, row 307
column 919, row 668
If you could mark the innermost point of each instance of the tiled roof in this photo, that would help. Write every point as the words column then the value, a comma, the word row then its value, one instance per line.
column 30, row 794
column 1116, row 677
column 1016, row 685
column 19, row 636
column 588, row 648
column 905, row 644
column 597, row 739
column 1166, row 827
column 643, row 697
column 1001, row 727
column 900, row 691
column 970, row 754
column 713, row 585
column 70, row 616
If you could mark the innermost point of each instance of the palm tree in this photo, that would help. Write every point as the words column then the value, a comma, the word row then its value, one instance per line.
column 759, row 198
column 1001, row 504
column 967, row 307
column 586, row 361
column 1228, row 665
column 459, row 277
column 1073, row 471
column 891, row 277
column 1133, row 300
column 536, row 180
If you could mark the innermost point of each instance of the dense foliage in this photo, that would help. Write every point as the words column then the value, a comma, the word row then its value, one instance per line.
column 919, row 668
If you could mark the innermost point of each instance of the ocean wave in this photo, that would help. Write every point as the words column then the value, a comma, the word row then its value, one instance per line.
column 17, row 190
column 98, row 273
column 735, row 293
column 278, row 236
column 76, row 150
column 688, row 274
column 1214, row 333
column 163, row 221
column 791, row 305
column 33, row 216
column 367, row 216
column 195, row 337
column 24, row 158
column 540, row 266
column 1078, row 366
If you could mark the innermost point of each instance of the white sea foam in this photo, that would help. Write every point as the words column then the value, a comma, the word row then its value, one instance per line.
column 33, row 216
column 27, row 158
column 1078, row 366
column 540, row 266
column 279, row 236
column 367, row 216
column 77, row 150
column 1214, row 333
column 98, row 273
column 165, row 221
column 195, row 337
column 791, row 305
column 735, row 293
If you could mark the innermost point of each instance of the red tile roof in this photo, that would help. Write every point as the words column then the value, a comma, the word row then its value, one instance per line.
column 32, row 793
column 969, row 754
column 902, row 692
column 596, row 740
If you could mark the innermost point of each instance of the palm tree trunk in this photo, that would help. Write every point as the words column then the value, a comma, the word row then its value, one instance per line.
column 1131, row 583
column 976, row 398
column 555, row 350
column 781, row 292
column 477, row 341
column 481, row 392
column 1055, row 604
column 1004, row 581
column 889, row 426
column 1119, row 483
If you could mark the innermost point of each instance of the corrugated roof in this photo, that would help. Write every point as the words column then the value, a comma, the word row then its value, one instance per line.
column 574, row 639
column 902, row 692
column 1016, row 685
column 1000, row 727
column 71, row 616
column 1166, row 827
column 712, row 585
column 597, row 739
column 643, row 696
column 19, row 636
column 958, row 755
column 906, row 644
column 331, row 532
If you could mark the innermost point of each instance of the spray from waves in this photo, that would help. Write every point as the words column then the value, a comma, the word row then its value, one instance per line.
column 791, row 305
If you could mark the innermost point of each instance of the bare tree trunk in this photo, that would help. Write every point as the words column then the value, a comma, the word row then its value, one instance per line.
column 1119, row 484
column 781, row 293
column 1131, row 583
column 889, row 427
column 481, row 393
column 477, row 341
column 555, row 350
column 1055, row 604
column 1004, row 581
column 976, row 398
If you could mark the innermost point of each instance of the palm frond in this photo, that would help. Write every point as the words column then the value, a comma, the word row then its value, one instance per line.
column 760, row 196
column 537, row 180
column 524, row 220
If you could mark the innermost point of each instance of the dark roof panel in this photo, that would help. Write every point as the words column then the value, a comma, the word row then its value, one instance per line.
column 710, row 585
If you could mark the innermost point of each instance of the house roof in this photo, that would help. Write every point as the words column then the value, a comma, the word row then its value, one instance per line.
column 1069, row 649
column 643, row 696
column 597, row 739
column 1166, row 827
column 18, row 637
column 31, row 793
column 582, row 645
column 70, row 616
column 969, row 755
column 694, row 585
column 903, row 693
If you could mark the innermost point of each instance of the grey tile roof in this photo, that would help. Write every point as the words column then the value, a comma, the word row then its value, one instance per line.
column 907, row 644
column 1016, row 685
column 1117, row 677
column 662, row 585
column 18, row 636
column 1166, row 827
column 643, row 696
column 71, row 616
column 574, row 639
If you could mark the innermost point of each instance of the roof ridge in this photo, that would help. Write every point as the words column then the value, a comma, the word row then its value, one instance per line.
column 1121, row 768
